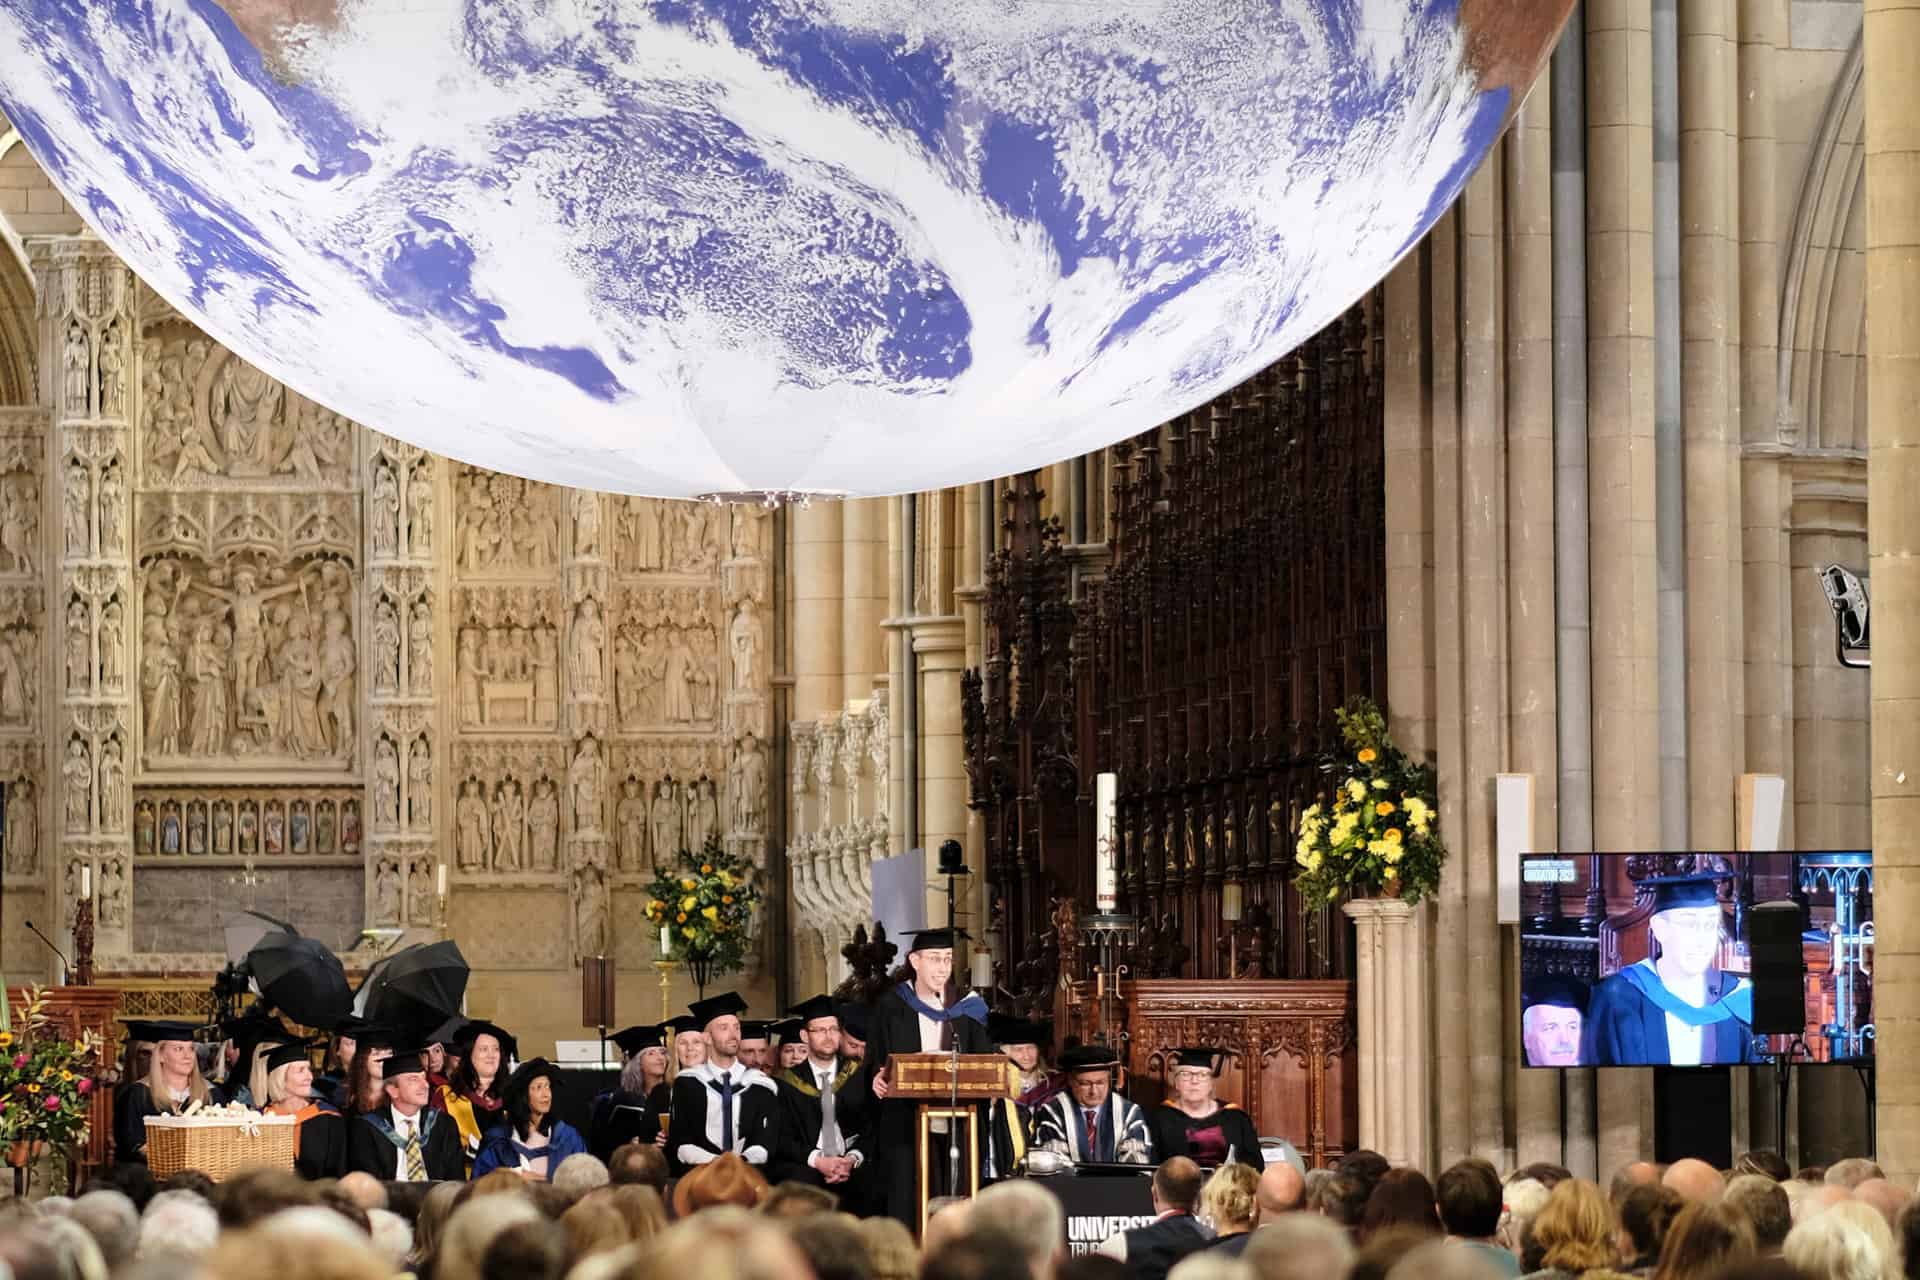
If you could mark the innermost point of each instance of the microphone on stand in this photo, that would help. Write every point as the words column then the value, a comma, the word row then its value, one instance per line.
column 65, row 963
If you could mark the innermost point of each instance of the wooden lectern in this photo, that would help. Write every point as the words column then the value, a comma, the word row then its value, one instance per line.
column 946, row 1087
column 90, row 1008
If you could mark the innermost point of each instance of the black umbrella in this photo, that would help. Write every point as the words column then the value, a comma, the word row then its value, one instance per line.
column 417, row 990
column 301, row 978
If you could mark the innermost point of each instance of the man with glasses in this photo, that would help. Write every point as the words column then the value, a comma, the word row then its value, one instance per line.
column 1676, row 1007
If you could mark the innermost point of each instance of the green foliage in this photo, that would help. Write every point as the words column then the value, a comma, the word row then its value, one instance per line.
column 45, row 1079
column 1375, row 830
column 706, row 904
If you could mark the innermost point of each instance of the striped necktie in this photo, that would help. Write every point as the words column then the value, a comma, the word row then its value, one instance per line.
column 416, row 1164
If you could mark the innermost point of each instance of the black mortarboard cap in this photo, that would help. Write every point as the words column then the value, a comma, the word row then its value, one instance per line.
column 1700, row 889
column 1200, row 1055
column 1004, row 1028
column 288, row 1054
column 401, row 1064
column 373, row 1036
column 853, row 1018
column 933, row 939
column 820, row 1006
column 1553, row 989
column 756, row 1029
column 634, row 1039
column 680, row 1023
column 161, row 1032
column 526, row 1073
column 509, row 1047
column 1088, row 1057
column 727, row 1002
column 350, row 1026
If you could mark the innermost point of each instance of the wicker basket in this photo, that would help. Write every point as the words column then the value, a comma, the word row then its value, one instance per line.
column 218, row 1148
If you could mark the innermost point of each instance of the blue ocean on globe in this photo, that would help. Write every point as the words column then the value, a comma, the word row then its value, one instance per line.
column 686, row 246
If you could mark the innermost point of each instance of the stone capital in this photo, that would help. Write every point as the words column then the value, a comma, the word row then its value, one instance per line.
column 1378, row 911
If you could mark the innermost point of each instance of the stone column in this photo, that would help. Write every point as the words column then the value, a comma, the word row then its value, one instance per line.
column 940, row 652
column 863, row 594
column 818, row 571
column 1892, row 47
column 1393, row 1062
column 89, row 352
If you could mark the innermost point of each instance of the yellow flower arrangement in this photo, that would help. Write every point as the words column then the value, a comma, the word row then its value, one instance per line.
column 712, row 899
column 1374, row 831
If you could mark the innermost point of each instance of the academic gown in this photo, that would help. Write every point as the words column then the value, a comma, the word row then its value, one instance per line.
column 370, row 1147
column 1207, row 1140
column 1625, row 1027
column 801, row 1117
column 1121, row 1124
column 321, row 1145
column 895, row 1028
column 132, row 1104
column 1010, row 1127
column 695, row 1131
column 620, row 1117
column 501, row 1149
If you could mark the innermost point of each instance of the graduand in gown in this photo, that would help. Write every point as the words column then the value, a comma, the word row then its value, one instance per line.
column 821, row 1120
column 1637, row 1017
column 533, row 1141
column 1010, row 1120
column 720, row 1108
column 320, row 1132
column 619, row 1115
column 136, row 1100
column 378, row 1141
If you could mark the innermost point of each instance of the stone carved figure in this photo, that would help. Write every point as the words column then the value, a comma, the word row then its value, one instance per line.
column 386, row 893
column 470, row 842
column 630, row 821
column 543, row 826
column 79, row 646
column 113, row 499
column 665, row 819
column 590, row 900
column 77, row 770
column 743, row 642
column 78, row 493
column 509, row 825
column 23, row 829
column 19, row 522
column 113, row 893
column 112, row 795
column 642, row 519
column 78, row 374
column 747, row 781
column 469, row 671
column 546, row 675
column 383, row 507
column 386, row 648
column 386, row 785
column 703, row 814
column 16, row 677
column 586, row 523
column 420, row 650
column 420, row 784
column 337, row 662
column 420, row 512
column 589, row 639
column 747, row 524
column 584, row 777
column 420, row 893
column 160, row 667
column 113, row 646
column 113, row 366
column 677, row 680
column 505, row 522
column 247, row 414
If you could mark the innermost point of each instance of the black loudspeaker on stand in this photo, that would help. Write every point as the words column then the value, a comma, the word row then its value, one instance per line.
column 1779, row 977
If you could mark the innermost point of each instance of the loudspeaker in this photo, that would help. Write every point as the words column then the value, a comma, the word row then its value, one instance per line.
column 1779, row 969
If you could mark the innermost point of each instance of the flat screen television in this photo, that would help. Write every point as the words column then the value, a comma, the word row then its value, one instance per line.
column 1647, row 959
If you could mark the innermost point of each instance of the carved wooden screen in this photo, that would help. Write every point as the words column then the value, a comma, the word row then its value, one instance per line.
column 1244, row 602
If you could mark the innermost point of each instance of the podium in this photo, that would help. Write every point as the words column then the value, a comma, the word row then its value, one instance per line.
column 946, row 1087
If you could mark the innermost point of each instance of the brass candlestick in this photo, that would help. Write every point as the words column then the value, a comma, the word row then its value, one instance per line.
column 665, row 968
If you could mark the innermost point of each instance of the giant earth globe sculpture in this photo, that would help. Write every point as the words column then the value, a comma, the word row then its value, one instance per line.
column 680, row 247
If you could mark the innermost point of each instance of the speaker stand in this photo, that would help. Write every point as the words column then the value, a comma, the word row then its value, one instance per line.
column 1782, row 1091
column 1865, row 1069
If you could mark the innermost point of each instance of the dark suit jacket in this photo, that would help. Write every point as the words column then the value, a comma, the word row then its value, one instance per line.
column 895, row 1028
column 800, row 1118
column 370, row 1151
column 1153, row 1249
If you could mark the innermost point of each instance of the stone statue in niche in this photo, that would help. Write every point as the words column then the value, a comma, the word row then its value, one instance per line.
column 79, row 649
column 640, row 533
column 589, row 639
column 73, row 878
column 113, row 372
column 386, row 893
column 113, row 498
column 383, row 506
column 16, row 678
column 677, row 682
column 420, row 511
column 630, row 821
column 113, row 786
column 113, row 893
column 590, row 899
column 337, row 662
column 247, row 414
column 747, row 524
column 77, row 357
column 744, row 642
column 386, row 785
column 78, row 493
column 207, row 674
column 386, row 648
column 506, row 523
column 420, row 650
column 627, row 682
column 546, row 675
column 665, row 819
column 19, row 522
column 543, row 826
column 420, row 784
column 23, row 829
column 703, row 813
column 420, row 892
column 586, row 524
column 77, row 770
column 113, row 646
column 747, row 781
column 509, row 825
column 703, row 675
column 468, row 672
column 470, row 827
column 584, row 777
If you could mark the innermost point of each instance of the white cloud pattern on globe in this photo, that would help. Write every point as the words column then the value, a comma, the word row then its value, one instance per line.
column 683, row 246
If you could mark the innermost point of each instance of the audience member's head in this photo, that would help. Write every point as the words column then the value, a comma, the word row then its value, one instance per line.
column 580, row 1173
column 135, row 1181
column 1574, row 1231
column 365, row 1190
column 531, row 1250
column 797, row 1200
column 1401, row 1198
column 1546, row 1173
column 832, row 1245
column 75, row 1255
column 1888, row 1198
column 591, row 1227
column 1697, row 1181
column 977, row 1254
column 891, row 1247
column 1340, row 1198
column 1764, row 1202
column 1849, row 1241
column 1763, row 1161
column 301, row 1243
column 254, row 1194
column 948, row 1217
column 110, row 1218
column 332, row 1195
column 192, row 1180
column 1704, row 1238
column 638, row 1163
column 725, row 1180
column 1383, row 1251
column 1281, row 1190
column 1646, row 1215
column 471, row 1230
column 1446, row 1260
column 1906, row 1237
column 1640, row 1173
column 392, row 1237
column 177, row 1222
column 1851, row 1172
column 1228, row 1198
column 1468, row 1196
column 1367, row 1167
column 1299, row 1246
column 430, row 1224
column 1031, row 1218
column 1521, row 1201
column 640, row 1207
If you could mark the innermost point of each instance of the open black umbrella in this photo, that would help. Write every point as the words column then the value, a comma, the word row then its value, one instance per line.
column 301, row 978
column 418, row 989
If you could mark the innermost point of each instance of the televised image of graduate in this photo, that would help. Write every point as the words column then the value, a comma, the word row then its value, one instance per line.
column 1553, row 1015
column 1673, row 1008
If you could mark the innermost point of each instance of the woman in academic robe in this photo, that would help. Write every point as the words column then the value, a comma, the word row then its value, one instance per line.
column 632, row 1112
column 320, row 1134
column 533, row 1142
column 173, row 1084
column 1194, row 1123
column 1010, row 1120
column 473, row 1095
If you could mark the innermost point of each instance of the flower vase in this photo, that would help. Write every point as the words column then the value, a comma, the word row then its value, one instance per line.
column 24, row 1151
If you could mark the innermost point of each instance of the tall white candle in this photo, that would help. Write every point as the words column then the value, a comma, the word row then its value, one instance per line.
column 1106, row 807
column 666, row 939
column 442, row 878
column 86, row 882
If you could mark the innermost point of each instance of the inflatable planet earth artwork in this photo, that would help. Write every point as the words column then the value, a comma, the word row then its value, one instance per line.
column 680, row 247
